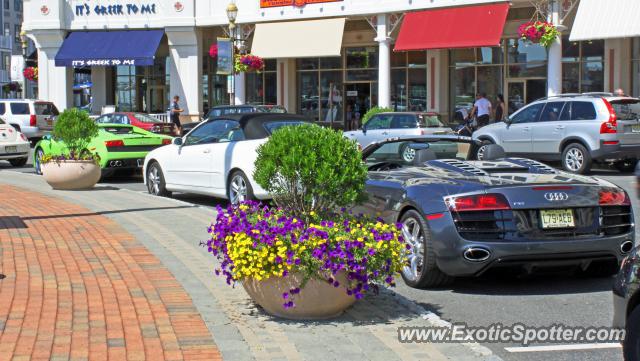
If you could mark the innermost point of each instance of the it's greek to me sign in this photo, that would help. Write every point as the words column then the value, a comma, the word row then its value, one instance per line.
column 276, row 3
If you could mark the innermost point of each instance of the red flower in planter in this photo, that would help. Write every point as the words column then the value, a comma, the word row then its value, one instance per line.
column 31, row 73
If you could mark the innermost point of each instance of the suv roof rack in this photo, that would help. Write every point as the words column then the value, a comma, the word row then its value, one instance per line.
column 576, row 95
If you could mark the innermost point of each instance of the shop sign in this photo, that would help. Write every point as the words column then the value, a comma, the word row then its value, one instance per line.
column 298, row 3
column 17, row 64
column 103, row 62
column 225, row 56
column 87, row 9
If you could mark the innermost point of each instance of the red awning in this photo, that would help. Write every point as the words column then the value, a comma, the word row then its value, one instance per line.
column 462, row 27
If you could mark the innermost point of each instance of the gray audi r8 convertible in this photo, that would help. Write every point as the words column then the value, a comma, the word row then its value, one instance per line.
column 463, row 217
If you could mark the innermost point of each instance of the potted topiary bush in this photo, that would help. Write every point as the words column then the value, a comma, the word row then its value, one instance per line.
column 306, row 257
column 76, row 167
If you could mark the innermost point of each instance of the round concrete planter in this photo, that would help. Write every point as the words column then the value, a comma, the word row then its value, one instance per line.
column 71, row 174
column 317, row 300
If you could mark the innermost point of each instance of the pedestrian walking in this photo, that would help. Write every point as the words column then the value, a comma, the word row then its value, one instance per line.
column 481, row 110
column 500, row 107
column 175, row 113
column 619, row 93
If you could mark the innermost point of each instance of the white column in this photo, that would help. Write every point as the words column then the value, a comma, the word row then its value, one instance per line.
column 554, row 67
column 384, row 62
column 185, row 73
column 54, row 83
column 286, row 80
column 240, row 94
column 99, row 88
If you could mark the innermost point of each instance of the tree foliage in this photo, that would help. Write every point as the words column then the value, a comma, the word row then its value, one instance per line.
column 75, row 129
column 311, row 169
column 373, row 111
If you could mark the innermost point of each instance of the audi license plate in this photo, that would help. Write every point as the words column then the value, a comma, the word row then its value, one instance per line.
column 140, row 163
column 635, row 128
column 10, row 149
column 557, row 218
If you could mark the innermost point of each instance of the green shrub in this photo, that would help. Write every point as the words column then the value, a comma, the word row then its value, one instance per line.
column 373, row 111
column 311, row 169
column 75, row 129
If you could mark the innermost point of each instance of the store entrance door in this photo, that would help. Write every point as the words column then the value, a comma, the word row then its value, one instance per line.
column 156, row 99
column 521, row 92
column 357, row 103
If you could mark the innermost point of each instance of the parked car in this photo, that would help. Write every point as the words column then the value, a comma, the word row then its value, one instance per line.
column 575, row 129
column 14, row 146
column 119, row 146
column 216, row 158
column 222, row 110
column 397, row 124
column 139, row 120
column 626, row 305
column 33, row 118
column 463, row 218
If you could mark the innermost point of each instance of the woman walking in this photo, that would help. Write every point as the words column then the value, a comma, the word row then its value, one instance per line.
column 500, row 108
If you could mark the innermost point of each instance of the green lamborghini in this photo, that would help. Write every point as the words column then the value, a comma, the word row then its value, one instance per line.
column 119, row 146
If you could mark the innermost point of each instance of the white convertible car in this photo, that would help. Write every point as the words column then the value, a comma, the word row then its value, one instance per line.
column 14, row 146
column 216, row 158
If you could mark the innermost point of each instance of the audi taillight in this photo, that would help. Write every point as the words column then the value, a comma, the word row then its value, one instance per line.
column 613, row 197
column 480, row 202
column 32, row 120
column 114, row 143
column 166, row 141
column 611, row 125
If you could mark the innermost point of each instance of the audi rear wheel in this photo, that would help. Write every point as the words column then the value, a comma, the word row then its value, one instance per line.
column 421, row 270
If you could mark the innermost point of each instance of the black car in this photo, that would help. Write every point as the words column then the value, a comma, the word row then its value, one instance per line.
column 221, row 110
column 626, row 299
column 463, row 217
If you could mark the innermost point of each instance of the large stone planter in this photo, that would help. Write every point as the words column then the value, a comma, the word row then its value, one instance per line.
column 317, row 300
column 71, row 174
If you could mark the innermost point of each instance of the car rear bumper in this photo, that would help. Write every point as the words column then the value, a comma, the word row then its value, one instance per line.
column 22, row 151
column 530, row 255
column 616, row 152
column 122, row 164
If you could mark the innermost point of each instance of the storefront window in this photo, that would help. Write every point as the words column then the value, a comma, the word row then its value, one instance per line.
column 635, row 67
column 399, row 90
column 215, row 90
column 463, row 80
column 582, row 66
column 362, row 58
column 331, row 97
column 418, row 90
column 261, row 88
column 526, row 60
column 309, row 99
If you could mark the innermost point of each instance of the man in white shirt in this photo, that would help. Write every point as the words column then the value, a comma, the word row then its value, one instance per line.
column 481, row 109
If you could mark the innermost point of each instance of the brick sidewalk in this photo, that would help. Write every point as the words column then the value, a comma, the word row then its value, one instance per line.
column 78, row 286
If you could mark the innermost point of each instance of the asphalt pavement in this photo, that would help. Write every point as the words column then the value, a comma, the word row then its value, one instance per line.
column 541, row 300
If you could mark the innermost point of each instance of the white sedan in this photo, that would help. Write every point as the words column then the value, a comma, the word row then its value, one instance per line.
column 216, row 158
column 14, row 146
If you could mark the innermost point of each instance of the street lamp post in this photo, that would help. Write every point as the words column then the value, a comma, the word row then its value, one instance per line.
column 24, row 43
column 232, row 14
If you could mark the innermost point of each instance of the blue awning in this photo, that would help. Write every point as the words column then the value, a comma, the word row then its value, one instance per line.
column 109, row 48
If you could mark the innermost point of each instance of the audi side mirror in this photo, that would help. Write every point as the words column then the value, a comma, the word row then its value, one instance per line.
column 177, row 141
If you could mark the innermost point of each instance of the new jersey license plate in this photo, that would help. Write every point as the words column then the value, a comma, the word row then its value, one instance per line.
column 10, row 149
column 557, row 218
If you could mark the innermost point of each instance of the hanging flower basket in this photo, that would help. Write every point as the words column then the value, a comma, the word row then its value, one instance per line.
column 31, row 73
column 539, row 32
column 248, row 63
column 213, row 51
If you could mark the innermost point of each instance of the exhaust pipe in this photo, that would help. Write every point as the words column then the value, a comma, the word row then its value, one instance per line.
column 115, row 163
column 626, row 247
column 118, row 163
column 475, row 254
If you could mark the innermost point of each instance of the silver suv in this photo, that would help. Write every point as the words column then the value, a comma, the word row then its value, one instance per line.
column 576, row 129
column 33, row 118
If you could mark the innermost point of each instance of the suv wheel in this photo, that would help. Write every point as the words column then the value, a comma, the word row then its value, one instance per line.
column 482, row 149
column 576, row 158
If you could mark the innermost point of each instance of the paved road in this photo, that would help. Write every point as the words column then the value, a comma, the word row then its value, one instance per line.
column 538, row 301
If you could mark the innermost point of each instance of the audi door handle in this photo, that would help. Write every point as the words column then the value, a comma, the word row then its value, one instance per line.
column 560, row 127
column 526, row 129
column 206, row 151
column 385, row 133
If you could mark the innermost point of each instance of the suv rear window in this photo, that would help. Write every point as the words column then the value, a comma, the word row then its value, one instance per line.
column 429, row 121
column 20, row 108
column 3, row 108
column 582, row 111
column 627, row 109
column 45, row 109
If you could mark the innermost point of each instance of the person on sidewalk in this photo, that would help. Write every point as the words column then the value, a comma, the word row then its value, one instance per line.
column 175, row 113
column 619, row 92
column 499, row 108
column 481, row 110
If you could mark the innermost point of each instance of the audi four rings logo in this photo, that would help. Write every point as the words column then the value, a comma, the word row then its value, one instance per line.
column 556, row 196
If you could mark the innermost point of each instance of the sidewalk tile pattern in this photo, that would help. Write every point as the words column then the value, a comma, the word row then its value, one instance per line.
column 77, row 286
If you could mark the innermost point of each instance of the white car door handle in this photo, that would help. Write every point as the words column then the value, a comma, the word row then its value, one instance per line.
column 385, row 133
column 206, row 151
column 526, row 129
column 560, row 127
